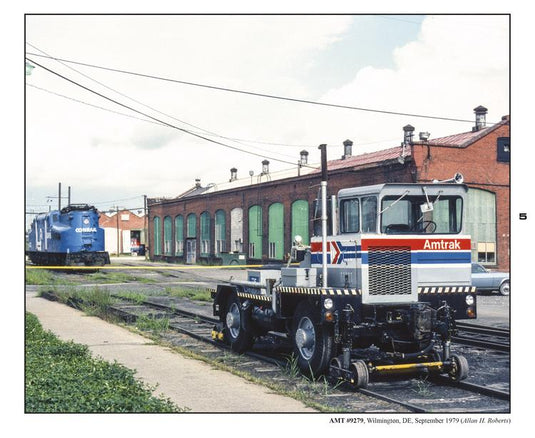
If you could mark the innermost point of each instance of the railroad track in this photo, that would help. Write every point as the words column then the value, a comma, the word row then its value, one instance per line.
column 436, row 394
column 491, row 338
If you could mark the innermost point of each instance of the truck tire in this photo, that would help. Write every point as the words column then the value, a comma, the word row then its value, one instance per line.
column 237, row 325
column 312, row 341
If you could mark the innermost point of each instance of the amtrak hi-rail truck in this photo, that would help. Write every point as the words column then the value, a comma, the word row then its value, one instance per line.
column 380, row 294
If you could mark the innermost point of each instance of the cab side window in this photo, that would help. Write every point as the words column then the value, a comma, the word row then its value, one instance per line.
column 350, row 216
column 369, row 214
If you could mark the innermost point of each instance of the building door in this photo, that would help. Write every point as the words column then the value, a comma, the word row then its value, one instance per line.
column 191, row 251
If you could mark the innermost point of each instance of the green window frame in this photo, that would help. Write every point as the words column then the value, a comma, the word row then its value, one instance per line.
column 191, row 226
column 220, row 232
column 276, row 231
column 300, row 220
column 179, row 235
column 157, row 233
column 167, row 236
column 255, row 232
column 205, row 233
column 480, row 224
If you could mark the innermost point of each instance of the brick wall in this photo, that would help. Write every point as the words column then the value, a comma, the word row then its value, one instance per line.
column 480, row 168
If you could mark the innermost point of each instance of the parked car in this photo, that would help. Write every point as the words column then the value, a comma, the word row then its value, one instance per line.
column 487, row 281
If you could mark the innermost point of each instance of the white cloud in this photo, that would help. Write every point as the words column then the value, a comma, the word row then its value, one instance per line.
column 456, row 64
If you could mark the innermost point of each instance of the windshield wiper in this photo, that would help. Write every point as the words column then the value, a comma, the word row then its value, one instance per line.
column 395, row 202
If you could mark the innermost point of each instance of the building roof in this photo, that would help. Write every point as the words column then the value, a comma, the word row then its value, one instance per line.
column 465, row 139
column 368, row 158
column 461, row 140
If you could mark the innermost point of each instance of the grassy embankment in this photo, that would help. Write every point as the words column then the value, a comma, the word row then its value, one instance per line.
column 63, row 377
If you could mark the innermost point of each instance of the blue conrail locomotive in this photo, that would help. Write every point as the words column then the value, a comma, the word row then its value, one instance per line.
column 68, row 237
column 380, row 294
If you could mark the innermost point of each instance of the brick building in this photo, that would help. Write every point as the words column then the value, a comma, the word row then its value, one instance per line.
column 124, row 231
column 255, row 219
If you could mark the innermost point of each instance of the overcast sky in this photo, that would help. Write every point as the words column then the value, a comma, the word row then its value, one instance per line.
column 440, row 66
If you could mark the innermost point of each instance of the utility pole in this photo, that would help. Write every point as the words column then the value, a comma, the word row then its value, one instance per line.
column 118, row 232
column 145, row 226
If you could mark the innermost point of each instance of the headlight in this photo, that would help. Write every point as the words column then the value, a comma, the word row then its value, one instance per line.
column 469, row 300
column 328, row 303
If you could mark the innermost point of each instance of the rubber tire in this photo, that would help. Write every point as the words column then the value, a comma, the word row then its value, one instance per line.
column 505, row 288
column 361, row 375
column 243, row 341
column 461, row 368
column 324, row 341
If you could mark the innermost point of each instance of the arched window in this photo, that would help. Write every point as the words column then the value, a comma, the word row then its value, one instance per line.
column 276, row 231
column 167, row 236
column 179, row 235
column 255, row 232
column 220, row 232
column 205, row 233
column 157, row 236
column 191, row 226
column 236, row 229
column 480, row 224
column 300, row 221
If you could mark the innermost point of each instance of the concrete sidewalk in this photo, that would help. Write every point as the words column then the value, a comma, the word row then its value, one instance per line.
column 187, row 382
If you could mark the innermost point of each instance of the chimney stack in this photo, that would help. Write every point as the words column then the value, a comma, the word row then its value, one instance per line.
column 481, row 118
column 233, row 174
column 197, row 182
column 265, row 167
column 408, row 132
column 304, row 157
column 348, row 149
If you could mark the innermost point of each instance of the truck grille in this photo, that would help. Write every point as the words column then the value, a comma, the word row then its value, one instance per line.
column 389, row 270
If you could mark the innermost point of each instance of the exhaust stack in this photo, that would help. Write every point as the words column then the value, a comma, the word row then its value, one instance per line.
column 323, row 148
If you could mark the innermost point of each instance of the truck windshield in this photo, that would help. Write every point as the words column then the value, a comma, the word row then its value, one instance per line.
column 421, row 214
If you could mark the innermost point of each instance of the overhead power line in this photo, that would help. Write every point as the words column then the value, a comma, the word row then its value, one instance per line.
column 205, row 131
column 159, row 120
column 252, row 93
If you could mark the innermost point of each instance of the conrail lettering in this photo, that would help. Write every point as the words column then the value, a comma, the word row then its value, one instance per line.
column 86, row 230
column 441, row 244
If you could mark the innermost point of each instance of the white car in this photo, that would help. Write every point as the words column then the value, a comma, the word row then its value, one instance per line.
column 487, row 281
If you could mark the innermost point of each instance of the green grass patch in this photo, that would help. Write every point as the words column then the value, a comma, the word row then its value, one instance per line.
column 94, row 301
column 63, row 377
column 192, row 294
column 105, row 276
column 41, row 277
column 136, row 297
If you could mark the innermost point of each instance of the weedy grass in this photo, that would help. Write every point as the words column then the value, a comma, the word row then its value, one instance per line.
column 135, row 297
column 192, row 294
column 63, row 377
column 42, row 277
column 94, row 301
column 154, row 325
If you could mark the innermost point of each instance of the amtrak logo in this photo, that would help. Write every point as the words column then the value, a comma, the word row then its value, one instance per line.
column 442, row 244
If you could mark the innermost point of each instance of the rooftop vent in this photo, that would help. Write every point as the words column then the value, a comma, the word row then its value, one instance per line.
column 233, row 174
column 481, row 118
column 304, row 157
column 408, row 132
column 348, row 149
column 265, row 167
column 424, row 136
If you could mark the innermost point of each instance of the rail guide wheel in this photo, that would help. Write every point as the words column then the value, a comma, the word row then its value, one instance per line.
column 459, row 368
column 360, row 375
